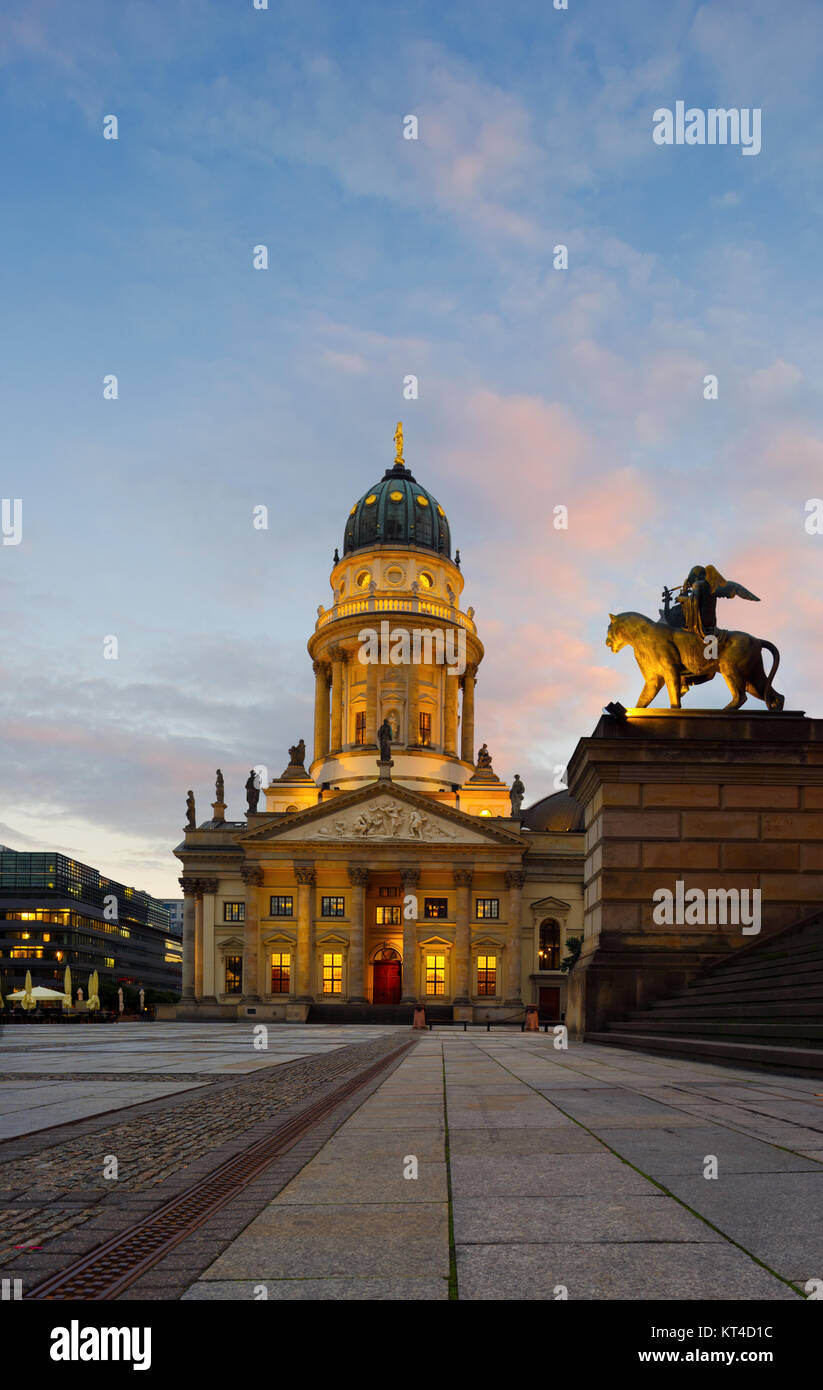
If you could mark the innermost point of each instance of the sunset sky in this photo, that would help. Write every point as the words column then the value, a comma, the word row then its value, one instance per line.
column 387, row 257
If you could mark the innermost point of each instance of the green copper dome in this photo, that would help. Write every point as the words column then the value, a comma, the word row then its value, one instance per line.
column 397, row 511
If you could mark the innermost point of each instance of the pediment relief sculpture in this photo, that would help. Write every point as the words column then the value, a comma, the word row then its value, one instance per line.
column 386, row 821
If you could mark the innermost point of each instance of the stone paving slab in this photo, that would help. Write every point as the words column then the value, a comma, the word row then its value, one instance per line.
column 598, row 1272
column 375, row 1289
column 39, row 1109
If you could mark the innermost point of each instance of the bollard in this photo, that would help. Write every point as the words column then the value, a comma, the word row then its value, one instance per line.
column 532, row 1023
column 419, row 1022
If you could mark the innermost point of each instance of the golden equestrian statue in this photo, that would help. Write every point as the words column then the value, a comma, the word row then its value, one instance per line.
column 687, row 648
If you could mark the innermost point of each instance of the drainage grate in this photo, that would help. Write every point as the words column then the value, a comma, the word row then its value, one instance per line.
column 106, row 1271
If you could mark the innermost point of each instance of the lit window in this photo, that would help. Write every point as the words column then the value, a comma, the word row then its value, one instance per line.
column 435, row 975
column 234, row 912
column 388, row 916
column 234, row 974
column 425, row 729
column 422, row 501
column 371, row 499
column 426, row 581
column 363, row 579
column 488, row 907
column 281, row 972
column 332, row 974
column 281, row 906
column 396, row 496
column 333, row 907
column 487, row 974
column 435, row 907
column 360, row 727
column 548, row 956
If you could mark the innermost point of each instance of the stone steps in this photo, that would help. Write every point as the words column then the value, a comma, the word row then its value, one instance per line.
column 798, row 1059
column 762, row 1005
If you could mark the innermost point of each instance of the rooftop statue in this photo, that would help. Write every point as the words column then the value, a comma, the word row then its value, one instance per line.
column 191, row 820
column 252, row 792
column 686, row 647
column 398, row 446
column 297, row 754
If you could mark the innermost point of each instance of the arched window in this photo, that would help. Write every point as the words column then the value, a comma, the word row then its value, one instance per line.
column 549, row 949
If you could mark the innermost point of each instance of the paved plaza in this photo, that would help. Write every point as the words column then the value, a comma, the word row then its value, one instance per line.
column 539, row 1173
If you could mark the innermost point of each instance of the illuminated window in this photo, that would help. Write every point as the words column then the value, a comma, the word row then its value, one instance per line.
column 548, row 957
column 389, row 892
column 234, row 974
column 371, row 499
column 487, row 974
column 363, row 579
column 426, row 581
column 425, row 729
column 440, row 510
column 333, row 907
column 396, row 496
column 281, row 906
column 388, row 916
column 332, row 974
column 234, row 912
column 281, row 972
column 109, row 960
column 353, row 510
column 435, row 974
column 422, row 501
column 360, row 727
column 435, row 907
column 488, row 907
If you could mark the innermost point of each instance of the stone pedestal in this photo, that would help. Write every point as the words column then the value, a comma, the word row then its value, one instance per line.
column 724, row 800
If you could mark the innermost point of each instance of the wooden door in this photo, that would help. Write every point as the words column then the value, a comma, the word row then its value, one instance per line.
column 387, row 982
column 549, row 1005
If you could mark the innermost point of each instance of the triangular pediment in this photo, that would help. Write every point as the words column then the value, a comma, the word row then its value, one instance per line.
column 551, row 907
column 386, row 813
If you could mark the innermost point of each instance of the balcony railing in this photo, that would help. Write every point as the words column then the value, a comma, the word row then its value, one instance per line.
column 424, row 607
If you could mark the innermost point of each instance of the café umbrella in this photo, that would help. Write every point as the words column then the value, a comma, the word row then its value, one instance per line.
column 67, row 988
column 93, row 1001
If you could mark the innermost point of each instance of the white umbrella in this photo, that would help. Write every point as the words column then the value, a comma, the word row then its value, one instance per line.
column 67, row 988
column 39, row 992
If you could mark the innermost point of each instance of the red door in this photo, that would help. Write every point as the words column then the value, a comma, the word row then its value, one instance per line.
column 549, row 1005
column 387, row 982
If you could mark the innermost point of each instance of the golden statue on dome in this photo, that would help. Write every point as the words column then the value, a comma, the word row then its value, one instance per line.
column 399, row 461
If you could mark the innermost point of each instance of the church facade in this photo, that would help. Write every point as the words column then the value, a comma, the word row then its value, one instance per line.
column 390, row 865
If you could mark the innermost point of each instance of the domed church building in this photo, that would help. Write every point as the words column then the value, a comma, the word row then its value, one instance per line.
column 390, row 864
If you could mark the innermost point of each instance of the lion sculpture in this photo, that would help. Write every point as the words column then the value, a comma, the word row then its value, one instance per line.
column 677, row 659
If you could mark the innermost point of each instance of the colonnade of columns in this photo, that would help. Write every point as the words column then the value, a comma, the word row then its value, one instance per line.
column 195, row 889
column 330, row 735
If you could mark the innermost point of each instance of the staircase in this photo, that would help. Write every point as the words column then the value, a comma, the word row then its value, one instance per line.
column 761, row 1006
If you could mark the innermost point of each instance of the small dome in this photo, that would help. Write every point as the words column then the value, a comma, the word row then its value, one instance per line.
column 397, row 511
column 555, row 813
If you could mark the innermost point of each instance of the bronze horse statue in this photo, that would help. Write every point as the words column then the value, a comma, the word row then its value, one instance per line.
column 678, row 658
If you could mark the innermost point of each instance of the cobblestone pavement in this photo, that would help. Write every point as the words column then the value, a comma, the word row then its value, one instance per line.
column 52, row 1183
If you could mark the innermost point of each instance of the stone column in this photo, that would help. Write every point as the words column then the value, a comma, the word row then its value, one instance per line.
column 413, row 706
column 252, row 877
column 337, row 672
column 203, row 887
column 306, row 879
column 371, row 705
column 451, row 684
column 198, row 939
column 463, row 883
column 411, row 882
column 467, row 721
column 358, row 878
column 187, row 884
column 321, row 708
column 515, row 878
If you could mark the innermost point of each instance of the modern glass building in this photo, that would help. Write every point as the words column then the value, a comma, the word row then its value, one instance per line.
column 55, row 912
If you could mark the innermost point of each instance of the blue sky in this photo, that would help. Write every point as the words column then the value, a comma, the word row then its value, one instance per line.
column 584, row 387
